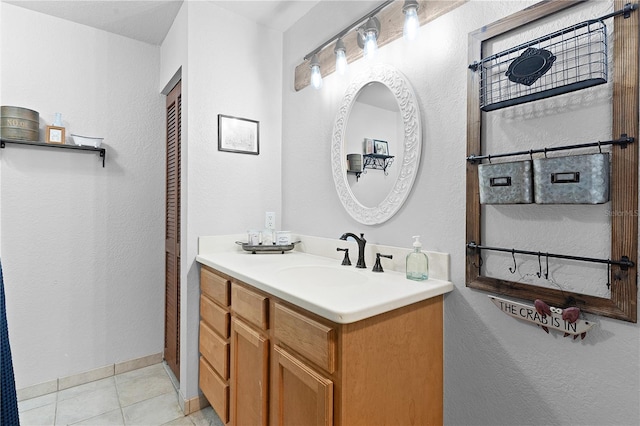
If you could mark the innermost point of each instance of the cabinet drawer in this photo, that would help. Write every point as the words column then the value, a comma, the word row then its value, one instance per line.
column 311, row 339
column 252, row 306
column 214, row 286
column 215, row 316
column 215, row 350
column 215, row 390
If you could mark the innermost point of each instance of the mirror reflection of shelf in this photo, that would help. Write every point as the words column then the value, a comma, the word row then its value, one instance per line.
column 373, row 162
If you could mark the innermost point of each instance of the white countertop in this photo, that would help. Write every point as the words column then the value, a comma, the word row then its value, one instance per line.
column 312, row 282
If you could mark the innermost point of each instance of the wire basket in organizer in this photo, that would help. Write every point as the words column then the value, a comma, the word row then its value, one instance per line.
column 570, row 59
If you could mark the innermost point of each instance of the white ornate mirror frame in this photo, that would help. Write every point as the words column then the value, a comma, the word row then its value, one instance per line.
column 412, row 144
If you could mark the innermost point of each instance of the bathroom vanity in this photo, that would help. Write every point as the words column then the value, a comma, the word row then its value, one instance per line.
column 297, row 339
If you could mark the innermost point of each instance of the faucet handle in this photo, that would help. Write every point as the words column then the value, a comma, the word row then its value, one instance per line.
column 378, row 266
column 346, row 261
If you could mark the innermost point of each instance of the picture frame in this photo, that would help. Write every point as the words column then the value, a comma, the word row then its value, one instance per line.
column 236, row 134
column 368, row 146
column 55, row 134
column 380, row 147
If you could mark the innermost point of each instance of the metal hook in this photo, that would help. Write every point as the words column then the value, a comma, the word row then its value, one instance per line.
column 515, row 266
column 539, row 273
column 546, row 273
column 531, row 154
column 489, row 158
column 599, row 147
column 545, row 152
column 480, row 263
column 608, row 274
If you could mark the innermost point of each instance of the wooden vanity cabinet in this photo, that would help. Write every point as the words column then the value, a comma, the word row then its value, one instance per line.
column 214, row 341
column 304, row 356
column 249, row 357
column 292, row 367
column 301, row 396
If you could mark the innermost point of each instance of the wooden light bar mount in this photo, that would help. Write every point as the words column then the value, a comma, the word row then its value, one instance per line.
column 392, row 22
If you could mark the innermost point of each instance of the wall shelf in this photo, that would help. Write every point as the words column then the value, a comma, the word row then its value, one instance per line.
column 374, row 162
column 101, row 151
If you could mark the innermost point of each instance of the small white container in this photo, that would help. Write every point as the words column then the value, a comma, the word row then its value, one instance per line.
column 267, row 237
column 253, row 237
column 283, row 238
column 86, row 141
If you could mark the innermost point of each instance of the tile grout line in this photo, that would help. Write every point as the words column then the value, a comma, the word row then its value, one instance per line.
column 115, row 383
column 55, row 412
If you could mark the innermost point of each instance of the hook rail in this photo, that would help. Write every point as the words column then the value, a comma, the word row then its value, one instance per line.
column 624, row 262
column 622, row 141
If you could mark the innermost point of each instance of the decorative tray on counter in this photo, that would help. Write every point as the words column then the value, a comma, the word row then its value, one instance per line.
column 266, row 248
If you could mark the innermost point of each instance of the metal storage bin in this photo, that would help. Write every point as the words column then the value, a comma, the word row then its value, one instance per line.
column 18, row 123
column 506, row 183
column 578, row 179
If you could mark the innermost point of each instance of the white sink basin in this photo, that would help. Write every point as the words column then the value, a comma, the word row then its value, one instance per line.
column 321, row 276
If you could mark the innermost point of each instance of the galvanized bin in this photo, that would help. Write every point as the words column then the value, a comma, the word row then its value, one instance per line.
column 19, row 124
column 577, row 179
column 506, row 183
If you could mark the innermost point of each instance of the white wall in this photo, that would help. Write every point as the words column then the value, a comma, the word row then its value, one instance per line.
column 233, row 67
column 82, row 245
column 497, row 370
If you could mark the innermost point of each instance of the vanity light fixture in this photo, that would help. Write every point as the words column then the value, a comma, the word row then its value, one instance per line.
column 411, row 22
column 340, row 48
column 368, row 37
column 341, row 57
column 316, row 77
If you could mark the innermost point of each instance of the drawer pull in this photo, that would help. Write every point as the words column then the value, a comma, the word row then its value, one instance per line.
column 500, row 181
column 565, row 177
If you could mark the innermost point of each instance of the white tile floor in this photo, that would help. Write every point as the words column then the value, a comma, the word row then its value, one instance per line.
column 144, row 397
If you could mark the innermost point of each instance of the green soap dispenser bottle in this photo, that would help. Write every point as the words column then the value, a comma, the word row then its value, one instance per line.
column 417, row 262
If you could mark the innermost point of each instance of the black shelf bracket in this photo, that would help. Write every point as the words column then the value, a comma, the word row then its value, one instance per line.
column 377, row 162
column 374, row 162
column 102, row 152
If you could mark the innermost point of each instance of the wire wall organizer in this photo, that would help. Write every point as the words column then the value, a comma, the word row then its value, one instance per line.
column 567, row 60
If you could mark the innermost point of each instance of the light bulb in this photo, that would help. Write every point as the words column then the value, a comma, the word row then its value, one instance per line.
column 411, row 23
column 370, row 44
column 341, row 62
column 341, row 57
column 316, row 77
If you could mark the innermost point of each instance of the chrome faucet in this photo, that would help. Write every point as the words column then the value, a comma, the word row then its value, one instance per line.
column 361, row 243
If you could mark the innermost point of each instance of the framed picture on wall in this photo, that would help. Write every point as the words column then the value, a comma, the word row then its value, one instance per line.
column 55, row 134
column 237, row 134
column 380, row 147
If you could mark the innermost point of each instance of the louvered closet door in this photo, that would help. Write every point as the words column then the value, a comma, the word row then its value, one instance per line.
column 172, row 234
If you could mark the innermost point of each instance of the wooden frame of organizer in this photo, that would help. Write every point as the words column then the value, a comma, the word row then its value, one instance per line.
column 624, row 176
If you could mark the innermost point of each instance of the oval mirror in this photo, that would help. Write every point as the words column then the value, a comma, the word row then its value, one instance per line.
column 378, row 131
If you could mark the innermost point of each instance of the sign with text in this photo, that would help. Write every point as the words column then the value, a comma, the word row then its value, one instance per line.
column 528, row 313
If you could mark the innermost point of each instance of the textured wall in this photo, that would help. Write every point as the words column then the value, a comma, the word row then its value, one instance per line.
column 82, row 245
column 233, row 67
column 497, row 370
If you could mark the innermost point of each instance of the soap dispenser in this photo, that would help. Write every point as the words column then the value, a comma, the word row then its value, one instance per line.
column 417, row 262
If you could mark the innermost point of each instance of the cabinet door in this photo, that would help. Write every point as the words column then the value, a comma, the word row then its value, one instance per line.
column 249, row 375
column 301, row 396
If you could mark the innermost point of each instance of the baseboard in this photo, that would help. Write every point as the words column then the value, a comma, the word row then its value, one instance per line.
column 87, row 376
column 195, row 404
